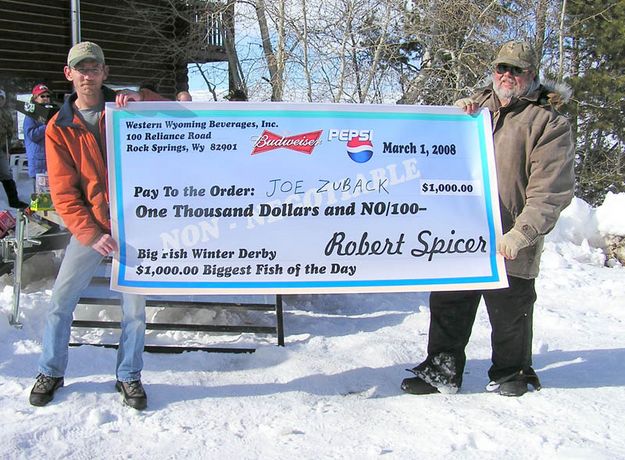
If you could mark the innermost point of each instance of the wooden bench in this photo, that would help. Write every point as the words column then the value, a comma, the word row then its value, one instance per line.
column 264, row 314
column 268, row 319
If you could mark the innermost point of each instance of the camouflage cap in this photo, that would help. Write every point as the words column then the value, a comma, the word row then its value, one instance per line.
column 84, row 50
column 518, row 54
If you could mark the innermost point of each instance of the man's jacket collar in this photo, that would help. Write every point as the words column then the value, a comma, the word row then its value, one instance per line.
column 548, row 94
column 66, row 114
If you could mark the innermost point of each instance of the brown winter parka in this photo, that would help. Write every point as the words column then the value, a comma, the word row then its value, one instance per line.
column 534, row 156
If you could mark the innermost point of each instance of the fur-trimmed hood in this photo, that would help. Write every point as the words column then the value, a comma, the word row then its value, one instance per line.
column 556, row 94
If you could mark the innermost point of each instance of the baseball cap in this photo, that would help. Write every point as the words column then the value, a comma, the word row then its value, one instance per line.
column 84, row 50
column 518, row 54
column 3, row 94
column 40, row 89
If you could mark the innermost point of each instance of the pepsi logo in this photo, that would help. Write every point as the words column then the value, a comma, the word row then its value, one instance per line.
column 359, row 150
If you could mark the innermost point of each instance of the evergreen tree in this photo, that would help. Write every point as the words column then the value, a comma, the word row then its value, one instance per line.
column 597, row 46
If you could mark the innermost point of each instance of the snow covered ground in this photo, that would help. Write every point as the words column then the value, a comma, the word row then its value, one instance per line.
column 333, row 391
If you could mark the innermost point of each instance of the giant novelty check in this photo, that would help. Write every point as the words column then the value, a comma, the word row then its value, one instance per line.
column 221, row 198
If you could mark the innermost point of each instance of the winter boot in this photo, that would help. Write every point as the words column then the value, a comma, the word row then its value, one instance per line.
column 11, row 190
column 437, row 374
column 515, row 384
column 44, row 388
column 134, row 394
column 417, row 386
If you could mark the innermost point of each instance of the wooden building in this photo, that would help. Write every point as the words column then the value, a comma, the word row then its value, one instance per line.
column 144, row 41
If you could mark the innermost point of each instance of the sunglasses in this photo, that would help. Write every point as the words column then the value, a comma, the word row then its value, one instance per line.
column 45, row 96
column 514, row 70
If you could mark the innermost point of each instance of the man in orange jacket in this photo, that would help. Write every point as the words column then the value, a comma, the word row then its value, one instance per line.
column 76, row 158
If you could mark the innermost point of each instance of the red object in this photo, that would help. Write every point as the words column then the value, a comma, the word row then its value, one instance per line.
column 40, row 89
column 7, row 222
column 303, row 143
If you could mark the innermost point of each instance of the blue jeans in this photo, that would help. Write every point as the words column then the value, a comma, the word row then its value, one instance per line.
column 78, row 267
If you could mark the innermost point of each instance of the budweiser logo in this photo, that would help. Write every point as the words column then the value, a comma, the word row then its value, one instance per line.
column 303, row 143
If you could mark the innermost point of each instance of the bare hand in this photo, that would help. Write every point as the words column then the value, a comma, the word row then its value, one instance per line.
column 124, row 96
column 105, row 245
column 468, row 105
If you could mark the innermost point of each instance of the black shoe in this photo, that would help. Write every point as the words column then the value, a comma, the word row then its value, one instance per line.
column 437, row 374
column 44, row 388
column 516, row 384
column 417, row 386
column 513, row 388
column 134, row 394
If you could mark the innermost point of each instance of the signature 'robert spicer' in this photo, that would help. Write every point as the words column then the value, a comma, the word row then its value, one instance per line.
column 428, row 245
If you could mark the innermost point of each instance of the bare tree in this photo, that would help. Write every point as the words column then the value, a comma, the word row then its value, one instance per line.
column 561, row 35
column 451, row 45
column 275, row 58
column 227, row 30
column 541, row 26
column 201, row 27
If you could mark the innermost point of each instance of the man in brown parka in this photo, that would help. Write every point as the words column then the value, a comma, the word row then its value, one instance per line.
column 535, row 177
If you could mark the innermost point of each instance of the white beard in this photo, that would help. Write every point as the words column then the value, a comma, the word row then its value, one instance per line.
column 516, row 91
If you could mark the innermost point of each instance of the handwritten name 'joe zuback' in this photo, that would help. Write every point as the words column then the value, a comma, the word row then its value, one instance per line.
column 358, row 185
column 427, row 245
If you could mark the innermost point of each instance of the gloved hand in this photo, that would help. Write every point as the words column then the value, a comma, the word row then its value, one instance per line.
column 511, row 243
column 468, row 105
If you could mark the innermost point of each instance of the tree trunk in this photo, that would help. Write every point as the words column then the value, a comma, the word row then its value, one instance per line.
column 275, row 79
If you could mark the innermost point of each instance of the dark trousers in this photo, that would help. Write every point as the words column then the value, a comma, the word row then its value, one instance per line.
column 510, row 311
